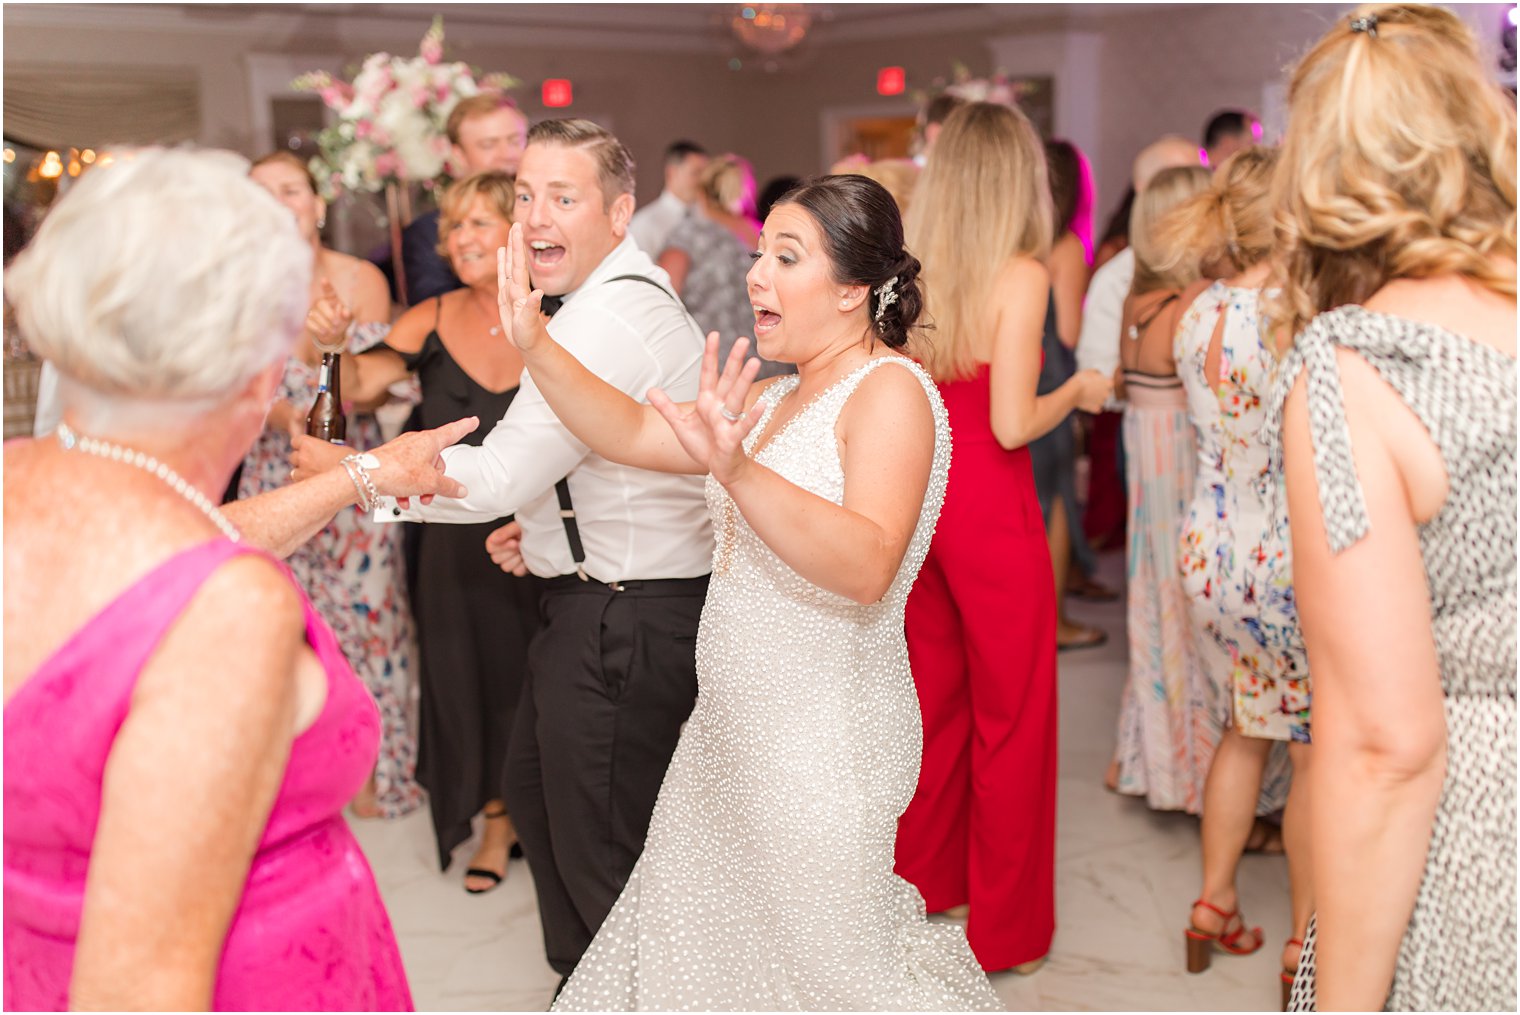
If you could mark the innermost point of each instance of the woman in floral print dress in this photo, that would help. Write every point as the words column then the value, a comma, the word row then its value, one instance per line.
column 1235, row 560
column 353, row 568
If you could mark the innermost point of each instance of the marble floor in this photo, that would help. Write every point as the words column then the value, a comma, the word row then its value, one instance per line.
column 1124, row 878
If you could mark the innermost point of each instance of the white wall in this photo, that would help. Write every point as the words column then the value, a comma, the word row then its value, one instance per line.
column 1124, row 75
column 651, row 95
column 1167, row 71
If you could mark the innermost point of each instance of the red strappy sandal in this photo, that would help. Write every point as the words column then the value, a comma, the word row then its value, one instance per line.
column 1288, row 975
column 1201, row 944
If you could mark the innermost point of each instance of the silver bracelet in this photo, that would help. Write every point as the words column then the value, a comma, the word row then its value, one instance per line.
column 357, row 468
column 353, row 477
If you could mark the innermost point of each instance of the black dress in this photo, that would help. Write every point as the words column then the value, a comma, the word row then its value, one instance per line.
column 1054, row 456
column 474, row 622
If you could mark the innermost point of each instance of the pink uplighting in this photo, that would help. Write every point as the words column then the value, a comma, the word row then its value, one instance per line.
column 1203, row 156
column 891, row 81
column 1256, row 130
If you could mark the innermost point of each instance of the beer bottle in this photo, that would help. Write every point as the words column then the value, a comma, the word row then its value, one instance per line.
column 325, row 421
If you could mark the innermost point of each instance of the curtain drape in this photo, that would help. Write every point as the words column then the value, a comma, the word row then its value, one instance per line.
column 52, row 107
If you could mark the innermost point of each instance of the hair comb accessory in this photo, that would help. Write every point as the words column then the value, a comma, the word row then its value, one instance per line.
column 886, row 295
column 1366, row 23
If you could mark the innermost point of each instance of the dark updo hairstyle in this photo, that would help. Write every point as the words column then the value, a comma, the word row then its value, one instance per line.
column 863, row 238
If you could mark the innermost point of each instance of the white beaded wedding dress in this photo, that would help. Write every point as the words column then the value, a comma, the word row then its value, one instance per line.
column 766, row 881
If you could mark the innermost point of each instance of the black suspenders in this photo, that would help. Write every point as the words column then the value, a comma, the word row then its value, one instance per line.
column 562, row 488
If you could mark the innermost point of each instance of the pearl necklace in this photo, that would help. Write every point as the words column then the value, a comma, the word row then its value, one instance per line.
column 104, row 449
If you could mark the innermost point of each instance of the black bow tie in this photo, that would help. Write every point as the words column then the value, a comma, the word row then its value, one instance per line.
column 551, row 305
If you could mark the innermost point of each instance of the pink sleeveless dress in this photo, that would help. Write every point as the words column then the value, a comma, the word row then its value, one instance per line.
column 310, row 932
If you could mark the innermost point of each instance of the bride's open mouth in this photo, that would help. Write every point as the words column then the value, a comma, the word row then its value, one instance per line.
column 765, row 319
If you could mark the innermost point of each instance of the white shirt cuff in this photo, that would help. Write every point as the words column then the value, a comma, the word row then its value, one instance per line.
column 387, row 511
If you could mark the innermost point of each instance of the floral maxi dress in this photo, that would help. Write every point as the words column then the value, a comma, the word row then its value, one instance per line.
column 353, row 572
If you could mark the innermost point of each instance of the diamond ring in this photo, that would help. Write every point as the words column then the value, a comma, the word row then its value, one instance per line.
column 732, row 417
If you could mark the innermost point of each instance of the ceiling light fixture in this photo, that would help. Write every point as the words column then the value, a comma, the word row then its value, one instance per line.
column 771, row 28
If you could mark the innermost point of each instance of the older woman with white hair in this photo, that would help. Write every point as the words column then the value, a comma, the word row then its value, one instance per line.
column 181, row 730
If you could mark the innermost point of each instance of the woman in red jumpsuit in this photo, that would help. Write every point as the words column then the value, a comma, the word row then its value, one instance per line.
column 981, row 621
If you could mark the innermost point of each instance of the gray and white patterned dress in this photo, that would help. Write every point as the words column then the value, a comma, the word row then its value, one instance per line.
column 1458, row 952
column 716, row 290
column 767, row 882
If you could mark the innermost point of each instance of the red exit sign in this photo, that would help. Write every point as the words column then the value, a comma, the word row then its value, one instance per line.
column 558, row 93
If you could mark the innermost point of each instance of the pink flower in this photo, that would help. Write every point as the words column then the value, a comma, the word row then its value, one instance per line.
column 421, row 96
column 432, row 43
column 363, row 129
column 387, row 165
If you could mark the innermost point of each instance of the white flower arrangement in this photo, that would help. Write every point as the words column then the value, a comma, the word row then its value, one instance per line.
column 391, row 118
column 998, row 88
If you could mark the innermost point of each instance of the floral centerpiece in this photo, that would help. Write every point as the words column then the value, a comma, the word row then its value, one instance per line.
column 998, row 88
column 391, row 118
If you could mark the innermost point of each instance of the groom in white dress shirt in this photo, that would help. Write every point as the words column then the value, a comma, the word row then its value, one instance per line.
column 612, row 673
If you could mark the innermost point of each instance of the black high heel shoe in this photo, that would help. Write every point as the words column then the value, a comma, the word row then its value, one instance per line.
column 514, row 852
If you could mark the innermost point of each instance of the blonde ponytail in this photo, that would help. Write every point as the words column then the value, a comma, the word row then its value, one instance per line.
column 1157, row 264
column 1227, row 228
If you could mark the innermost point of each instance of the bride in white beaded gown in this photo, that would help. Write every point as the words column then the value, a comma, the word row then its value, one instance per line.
column 766, row 881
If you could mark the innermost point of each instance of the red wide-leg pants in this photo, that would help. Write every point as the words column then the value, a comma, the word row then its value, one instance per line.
column 981, row 628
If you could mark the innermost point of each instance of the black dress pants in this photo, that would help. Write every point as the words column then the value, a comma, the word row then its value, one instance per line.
column 611, row 678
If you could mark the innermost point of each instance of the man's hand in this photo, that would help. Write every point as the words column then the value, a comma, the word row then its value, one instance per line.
column 505, row 547
column 518, row 304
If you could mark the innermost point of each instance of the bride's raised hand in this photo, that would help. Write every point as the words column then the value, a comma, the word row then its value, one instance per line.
column 712, row 429
column 726, row 418
column 517, row 304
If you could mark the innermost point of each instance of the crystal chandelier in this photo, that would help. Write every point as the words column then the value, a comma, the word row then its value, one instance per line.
column 771, row 28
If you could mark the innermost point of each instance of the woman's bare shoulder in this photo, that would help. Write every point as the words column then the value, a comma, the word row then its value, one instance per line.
column 411, row 329
column 1022, row 274
column 1068, row 254
column 18, row 452
column 247, row 601
column 891, row 389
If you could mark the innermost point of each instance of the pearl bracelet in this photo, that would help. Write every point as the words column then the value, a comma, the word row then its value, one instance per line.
column 357, row 468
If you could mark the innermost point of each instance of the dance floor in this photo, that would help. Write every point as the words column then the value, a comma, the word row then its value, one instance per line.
column 1124, row 878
